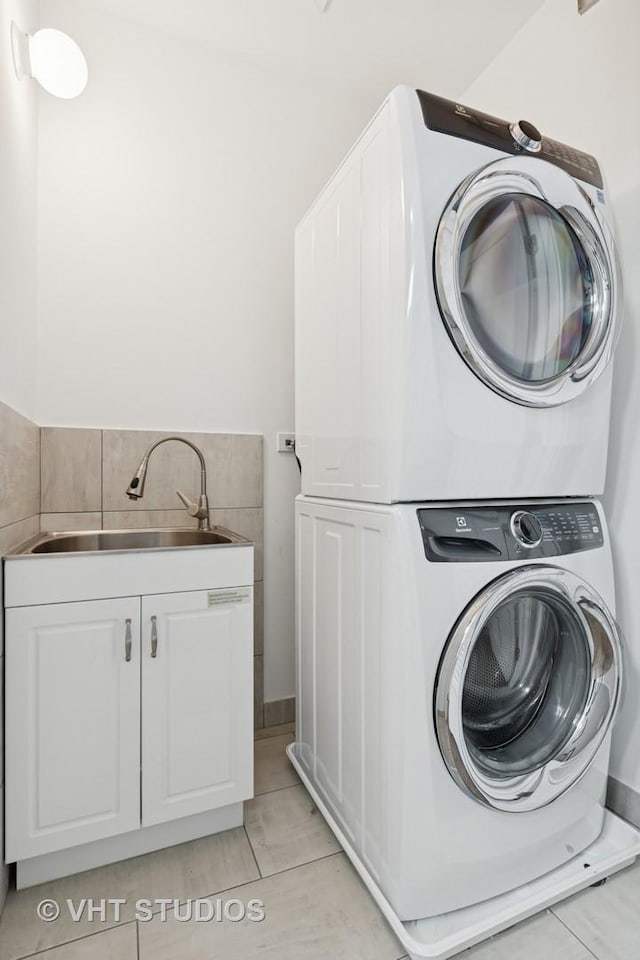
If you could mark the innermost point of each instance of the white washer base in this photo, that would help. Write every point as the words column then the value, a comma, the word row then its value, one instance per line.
column 437, row 938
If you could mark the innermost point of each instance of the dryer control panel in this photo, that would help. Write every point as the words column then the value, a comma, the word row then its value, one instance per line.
column 517, row 137
column 509, row 532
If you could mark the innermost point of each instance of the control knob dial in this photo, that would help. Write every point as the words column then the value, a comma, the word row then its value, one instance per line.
column 526, row 136
column 526, row 528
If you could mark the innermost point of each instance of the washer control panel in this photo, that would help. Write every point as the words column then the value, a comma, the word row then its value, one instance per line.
column 509, row 531
column 520, row 136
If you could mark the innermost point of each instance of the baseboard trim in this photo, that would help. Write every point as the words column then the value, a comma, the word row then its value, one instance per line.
column 624, row 801
column 279, row 711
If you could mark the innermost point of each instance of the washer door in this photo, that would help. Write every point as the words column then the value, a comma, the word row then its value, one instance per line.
column 527, row 282
column 527, row 688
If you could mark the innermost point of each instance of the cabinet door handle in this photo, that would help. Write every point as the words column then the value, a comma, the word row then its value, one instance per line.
column 154, row 636
column 127, row 640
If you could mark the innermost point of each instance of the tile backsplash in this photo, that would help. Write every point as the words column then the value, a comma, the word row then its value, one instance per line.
column 19, row 467
column 71, row 470
column 85, row 473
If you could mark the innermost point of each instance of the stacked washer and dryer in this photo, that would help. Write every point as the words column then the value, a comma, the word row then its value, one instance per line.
column 459, row 666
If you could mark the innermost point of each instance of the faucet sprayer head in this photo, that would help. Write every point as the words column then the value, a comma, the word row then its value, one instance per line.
column 135, row 490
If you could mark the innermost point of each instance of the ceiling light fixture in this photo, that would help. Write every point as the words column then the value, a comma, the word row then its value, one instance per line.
column 52, row 58
column 322, row 5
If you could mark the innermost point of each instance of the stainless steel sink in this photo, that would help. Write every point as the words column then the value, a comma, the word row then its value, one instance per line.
column 97, row 541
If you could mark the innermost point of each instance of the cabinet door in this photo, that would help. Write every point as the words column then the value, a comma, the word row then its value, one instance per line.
column 72, row 724
column 197, row 702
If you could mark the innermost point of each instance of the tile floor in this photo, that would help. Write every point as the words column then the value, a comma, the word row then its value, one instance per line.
column 315, row 906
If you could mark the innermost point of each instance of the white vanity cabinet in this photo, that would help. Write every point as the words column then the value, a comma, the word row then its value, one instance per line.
column 129, row 719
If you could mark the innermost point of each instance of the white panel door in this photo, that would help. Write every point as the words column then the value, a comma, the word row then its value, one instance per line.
column 197, row 702
column 338, row 662
column 72, row 724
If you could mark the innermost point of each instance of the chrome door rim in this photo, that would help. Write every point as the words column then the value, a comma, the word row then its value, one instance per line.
column 526, row 792
column 522, row 175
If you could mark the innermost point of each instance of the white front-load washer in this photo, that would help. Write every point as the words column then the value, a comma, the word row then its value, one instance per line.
column 457, row 308
column 459, row 670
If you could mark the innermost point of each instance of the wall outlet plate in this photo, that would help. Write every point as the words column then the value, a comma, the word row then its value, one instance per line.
column 584, row 5
column 286, row 442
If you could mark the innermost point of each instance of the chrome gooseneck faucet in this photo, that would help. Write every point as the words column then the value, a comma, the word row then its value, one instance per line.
column 200, row 510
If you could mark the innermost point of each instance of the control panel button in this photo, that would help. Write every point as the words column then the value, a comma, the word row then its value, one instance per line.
column 526, row 136
column 526, row 528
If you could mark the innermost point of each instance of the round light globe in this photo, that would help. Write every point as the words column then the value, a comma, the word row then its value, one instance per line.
column 58, row 63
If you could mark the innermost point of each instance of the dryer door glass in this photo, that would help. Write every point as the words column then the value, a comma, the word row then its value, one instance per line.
column 526, row 287
column 527, row 688
column 527, row 283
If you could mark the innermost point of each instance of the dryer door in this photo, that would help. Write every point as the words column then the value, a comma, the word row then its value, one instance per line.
column 527, row 281
column 527, row 688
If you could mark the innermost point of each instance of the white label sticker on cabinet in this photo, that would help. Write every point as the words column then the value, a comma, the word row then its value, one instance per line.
column 228, row 595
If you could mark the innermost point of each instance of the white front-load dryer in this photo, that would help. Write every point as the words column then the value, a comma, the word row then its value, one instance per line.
column 459, row 670
column 457, row 308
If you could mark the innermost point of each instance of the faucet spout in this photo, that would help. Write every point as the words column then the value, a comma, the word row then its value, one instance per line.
column 199, row 510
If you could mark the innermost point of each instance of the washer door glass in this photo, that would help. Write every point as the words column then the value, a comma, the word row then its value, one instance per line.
column 526, row 287
column 526, row 684
column 527, row 688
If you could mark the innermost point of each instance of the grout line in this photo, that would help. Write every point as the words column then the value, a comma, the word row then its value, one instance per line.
column 247, row 883
column 275, row 728
column 326, row 856
column 65, row 943
column 265, row 793
column 573, row 933
column 40, row 472
column 13, row 523
column 253, row 853
column 102, row 479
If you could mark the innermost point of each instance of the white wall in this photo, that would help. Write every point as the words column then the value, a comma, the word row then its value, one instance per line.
column 578, row 78
column 18, row 142
column 168, row 196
